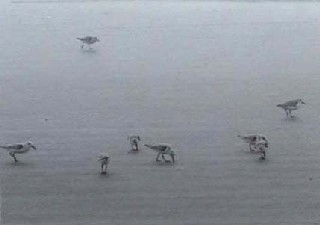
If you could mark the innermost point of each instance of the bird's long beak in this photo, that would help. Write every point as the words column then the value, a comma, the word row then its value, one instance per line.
column 34, row 147
column 303, row 102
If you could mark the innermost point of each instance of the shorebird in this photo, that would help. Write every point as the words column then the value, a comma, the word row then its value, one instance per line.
column 253, row 140
column 134, row 139
column 88, row 40
column 162, row 149
column 290, row 106
column 20, row 148
column 104, row 160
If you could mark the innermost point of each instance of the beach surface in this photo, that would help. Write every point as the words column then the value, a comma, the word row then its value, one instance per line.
column 194, row 74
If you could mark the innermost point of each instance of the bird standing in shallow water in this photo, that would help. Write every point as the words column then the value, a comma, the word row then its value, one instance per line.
column 88, row 40
column 291, row 106
column 163, row 149
column 20, row 148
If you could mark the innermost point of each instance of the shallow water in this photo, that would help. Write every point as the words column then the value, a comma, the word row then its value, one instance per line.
column 193, row 74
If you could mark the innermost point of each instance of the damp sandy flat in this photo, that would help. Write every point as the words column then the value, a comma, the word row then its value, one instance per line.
column 193, row 74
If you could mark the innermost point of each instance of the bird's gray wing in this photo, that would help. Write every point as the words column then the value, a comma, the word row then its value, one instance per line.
column 13, row 147
column 163, row 148
column 291, row 103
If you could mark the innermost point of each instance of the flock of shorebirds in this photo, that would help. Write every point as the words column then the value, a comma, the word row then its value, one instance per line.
column 162, row 149
column 257, row 142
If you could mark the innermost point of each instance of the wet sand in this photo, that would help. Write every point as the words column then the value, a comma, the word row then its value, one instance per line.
column 193, row 74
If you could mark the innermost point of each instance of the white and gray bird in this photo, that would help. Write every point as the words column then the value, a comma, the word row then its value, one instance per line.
column 253, row 140
column 162, row 149
column 20, row 148
column 88, row 40
column 134, row 140
column 291, row 106
column 104, row 160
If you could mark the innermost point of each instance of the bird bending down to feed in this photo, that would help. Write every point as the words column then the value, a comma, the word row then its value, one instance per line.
column 163, row 149
column 134, row 139
column 253, row 140
column 290, row 106
column 88, row 40
column 104, row 160
column 20, row 148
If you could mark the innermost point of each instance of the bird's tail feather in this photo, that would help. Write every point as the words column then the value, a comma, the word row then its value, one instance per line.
column 240, row 136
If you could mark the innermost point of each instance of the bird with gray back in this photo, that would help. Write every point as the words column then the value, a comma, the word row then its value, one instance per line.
column 20, row 148
column 253, row 140
column 88, row 40
column 291, row 106
column 162, row 149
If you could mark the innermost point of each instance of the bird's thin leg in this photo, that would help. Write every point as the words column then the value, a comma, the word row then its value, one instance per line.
column 157, row 159
column 82, row 45
column 290, row 113
column 13, row 156
column 287, row 113
column 263, row 155
column 165, row 158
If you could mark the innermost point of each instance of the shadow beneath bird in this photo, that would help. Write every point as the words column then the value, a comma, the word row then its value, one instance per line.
column 291, row 119
column 89, row 50
column 20, row 164
column 163, row 163
column 105, row 174
column 133, row 152
column 250, row 152
column 262, row 160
